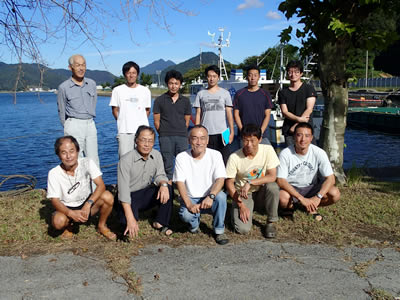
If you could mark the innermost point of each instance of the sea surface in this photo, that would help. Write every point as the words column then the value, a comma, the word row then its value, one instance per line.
column 29, row 129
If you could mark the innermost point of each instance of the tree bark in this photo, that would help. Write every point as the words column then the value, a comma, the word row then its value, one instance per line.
column 332, row 58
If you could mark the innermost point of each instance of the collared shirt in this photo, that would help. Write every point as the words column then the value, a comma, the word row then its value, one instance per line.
column 172, row 114
column 136, row 173
column 77, row 101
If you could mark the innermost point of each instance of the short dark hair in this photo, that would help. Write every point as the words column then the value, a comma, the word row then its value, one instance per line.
column 127, row 66
column 61, row 140
column 295, row 64
column 143, row 128
column 304, row 125
column 197, row 127
column 173, row 74
column 253, row 67
column 212, row 68
column 251, row 130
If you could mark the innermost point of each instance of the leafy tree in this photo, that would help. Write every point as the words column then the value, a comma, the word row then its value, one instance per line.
column 270, row 59
column 118, row 81
column 146, row 79
column 331, row 29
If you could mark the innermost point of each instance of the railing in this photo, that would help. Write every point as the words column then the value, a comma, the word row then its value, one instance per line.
column 392, row 82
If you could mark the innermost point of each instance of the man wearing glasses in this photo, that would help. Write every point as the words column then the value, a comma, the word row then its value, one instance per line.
column 200, row 175
column 142, row 184
column 69, row 188
column 296, row 101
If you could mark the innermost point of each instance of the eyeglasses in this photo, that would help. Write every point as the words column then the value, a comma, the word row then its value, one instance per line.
column 73, row 188
column 146, row 141
column 293, row 72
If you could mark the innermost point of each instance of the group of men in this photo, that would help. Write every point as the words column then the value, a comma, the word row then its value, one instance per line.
column 252, row 176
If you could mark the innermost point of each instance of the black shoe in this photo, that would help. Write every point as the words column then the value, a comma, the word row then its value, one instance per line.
column 221, row 239
column 270, row 231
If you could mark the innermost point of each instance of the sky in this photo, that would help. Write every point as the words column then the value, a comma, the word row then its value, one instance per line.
column 254, row 26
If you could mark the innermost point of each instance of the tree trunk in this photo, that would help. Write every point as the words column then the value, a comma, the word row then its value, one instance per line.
column 334, row 88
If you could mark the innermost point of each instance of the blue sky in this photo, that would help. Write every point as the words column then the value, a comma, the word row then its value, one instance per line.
column 254, row 26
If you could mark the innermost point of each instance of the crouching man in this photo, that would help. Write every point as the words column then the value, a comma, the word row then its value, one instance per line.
column 200, row 175
column 298, row 174
column 142, row 184
column 251, row 175
column 69, row 188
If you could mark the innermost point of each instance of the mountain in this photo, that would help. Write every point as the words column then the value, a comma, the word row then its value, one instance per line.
column 30, row 76
column 207, row 58
column 157, row 65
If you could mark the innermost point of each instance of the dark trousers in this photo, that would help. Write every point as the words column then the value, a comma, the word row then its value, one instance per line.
column 145, row 199
column 215, row 142
column 170, row 147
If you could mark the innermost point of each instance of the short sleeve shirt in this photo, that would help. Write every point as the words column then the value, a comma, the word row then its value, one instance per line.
column 60, row 184
column 242, row 168
column 301, row 170
column 252, row 106
column 172, row 115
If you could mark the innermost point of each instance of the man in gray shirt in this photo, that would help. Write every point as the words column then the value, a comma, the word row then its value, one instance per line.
column 76, row 100
column 142, row 184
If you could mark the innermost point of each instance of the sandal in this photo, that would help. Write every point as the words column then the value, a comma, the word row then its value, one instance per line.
column 317, row 217
column 67, row 234
column 270, row 231
column 163, row 229
column 107, row 234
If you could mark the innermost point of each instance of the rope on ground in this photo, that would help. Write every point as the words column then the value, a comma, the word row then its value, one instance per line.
column 20, row 188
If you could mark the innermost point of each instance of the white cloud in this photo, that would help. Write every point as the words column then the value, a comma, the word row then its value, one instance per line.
column 273, row 15
column 250, row 4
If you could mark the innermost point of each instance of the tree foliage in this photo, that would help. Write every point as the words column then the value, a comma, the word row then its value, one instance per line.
column 146, row 79
column 332, row 29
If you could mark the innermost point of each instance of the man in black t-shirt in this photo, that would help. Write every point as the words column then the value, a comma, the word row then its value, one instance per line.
column 296, row 101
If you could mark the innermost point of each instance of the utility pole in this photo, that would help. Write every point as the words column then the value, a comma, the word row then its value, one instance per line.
column 366, row 70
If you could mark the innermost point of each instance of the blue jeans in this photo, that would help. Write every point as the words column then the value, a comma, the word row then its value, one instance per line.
column 217, row 210
column 170, row 147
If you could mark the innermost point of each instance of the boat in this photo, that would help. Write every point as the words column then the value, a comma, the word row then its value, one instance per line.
column 383, row 119
column 237, row 81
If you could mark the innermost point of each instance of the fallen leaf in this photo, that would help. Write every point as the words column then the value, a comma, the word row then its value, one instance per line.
column 85, row 283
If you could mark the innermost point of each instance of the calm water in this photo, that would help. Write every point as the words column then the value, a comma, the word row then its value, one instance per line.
column 28, row 131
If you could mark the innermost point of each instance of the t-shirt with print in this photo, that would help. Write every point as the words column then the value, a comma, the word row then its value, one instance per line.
column 61, row 185
column 242, row 168
column 213, row 114
column 301, row 170
column 132, row 103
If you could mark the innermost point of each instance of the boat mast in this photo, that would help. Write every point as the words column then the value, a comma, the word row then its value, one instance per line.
column 220, row 45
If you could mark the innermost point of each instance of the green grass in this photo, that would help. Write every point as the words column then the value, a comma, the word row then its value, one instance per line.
column 368, row 214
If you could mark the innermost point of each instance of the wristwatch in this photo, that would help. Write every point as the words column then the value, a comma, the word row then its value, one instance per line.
column 164, row 184
column 320, row 196
column 212, row 196
column 91, row 202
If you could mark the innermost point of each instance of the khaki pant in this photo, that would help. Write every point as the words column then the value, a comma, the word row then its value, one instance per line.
column 266, row 198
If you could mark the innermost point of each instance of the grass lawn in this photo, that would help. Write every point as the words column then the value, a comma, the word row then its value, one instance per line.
column 367, row 215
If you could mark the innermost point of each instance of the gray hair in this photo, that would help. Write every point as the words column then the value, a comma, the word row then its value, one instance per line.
column 72, row 58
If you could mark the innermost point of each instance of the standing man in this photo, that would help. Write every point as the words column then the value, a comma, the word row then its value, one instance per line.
column 142, row 184
column 172, row 113
column 76, row 100
column 251, row 175
column 213, row 110
column 252, row 104
column 200, row 175
column 296, row 101
column 131, row 103
column 298, row 174
column 69, row 188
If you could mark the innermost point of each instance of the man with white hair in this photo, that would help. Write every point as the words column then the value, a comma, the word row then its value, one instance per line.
column 76, row 100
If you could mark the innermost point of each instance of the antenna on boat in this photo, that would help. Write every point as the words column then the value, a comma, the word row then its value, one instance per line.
column 220, row 44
